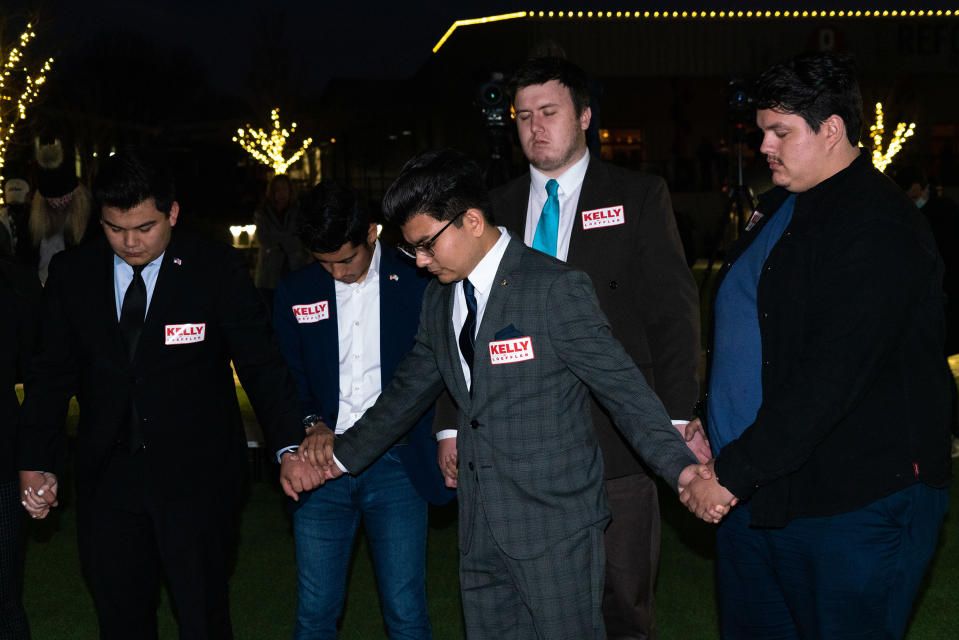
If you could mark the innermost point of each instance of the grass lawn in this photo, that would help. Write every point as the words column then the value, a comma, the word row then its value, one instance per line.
column 263, row 586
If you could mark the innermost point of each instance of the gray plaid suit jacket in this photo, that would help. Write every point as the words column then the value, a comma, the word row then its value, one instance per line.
column 528, row 453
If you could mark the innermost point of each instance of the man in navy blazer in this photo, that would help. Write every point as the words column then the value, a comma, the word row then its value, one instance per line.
column 344, row 324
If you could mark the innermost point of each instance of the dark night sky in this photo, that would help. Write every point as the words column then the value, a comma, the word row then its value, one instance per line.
column 324, row 39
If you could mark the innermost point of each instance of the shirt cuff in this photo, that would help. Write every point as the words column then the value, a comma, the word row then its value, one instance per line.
column 279, row 454
column 340, row 465
column 445, row 433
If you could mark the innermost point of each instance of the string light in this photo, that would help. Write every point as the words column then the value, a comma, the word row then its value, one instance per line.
column 14, row 100
column 881, row 160
column 268, row 149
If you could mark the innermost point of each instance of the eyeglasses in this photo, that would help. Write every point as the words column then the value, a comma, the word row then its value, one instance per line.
column 426, row 247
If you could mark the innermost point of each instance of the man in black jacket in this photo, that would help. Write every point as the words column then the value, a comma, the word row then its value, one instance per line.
column 828, row 397
column 142, row 328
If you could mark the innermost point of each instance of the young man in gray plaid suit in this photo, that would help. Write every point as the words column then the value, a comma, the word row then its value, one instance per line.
column 519, row 340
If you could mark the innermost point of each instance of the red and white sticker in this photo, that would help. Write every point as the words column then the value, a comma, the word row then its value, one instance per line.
column 513, row 350
column 184, row 333
column 608, row 217
column 313, row 312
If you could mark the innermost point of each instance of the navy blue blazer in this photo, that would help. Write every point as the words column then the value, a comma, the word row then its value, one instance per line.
column 312, row 352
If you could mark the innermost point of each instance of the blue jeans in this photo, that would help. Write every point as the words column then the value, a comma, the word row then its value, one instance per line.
column 851, row 575
column 395, row 520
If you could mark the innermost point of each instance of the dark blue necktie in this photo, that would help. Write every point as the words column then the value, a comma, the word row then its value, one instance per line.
column 467, row 339
column 547, row 229
column 132, row 312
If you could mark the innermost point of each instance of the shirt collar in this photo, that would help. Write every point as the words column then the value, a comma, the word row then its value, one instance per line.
column 120, row 262
column 568, row 181
column 484, row 272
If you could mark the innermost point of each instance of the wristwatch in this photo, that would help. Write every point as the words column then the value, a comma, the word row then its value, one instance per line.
column 311, row 420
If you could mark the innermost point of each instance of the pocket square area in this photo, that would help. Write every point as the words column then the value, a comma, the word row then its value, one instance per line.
column 508, row 333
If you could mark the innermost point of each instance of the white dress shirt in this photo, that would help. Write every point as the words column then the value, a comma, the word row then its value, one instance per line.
column 570, row 186
column 358, row 331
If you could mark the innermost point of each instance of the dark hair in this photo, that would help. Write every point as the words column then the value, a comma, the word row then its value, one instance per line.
column 132, row 176
column 441, row 184
column 814, row 86
column 909, row 175
column 330, row 216
column 542, row 70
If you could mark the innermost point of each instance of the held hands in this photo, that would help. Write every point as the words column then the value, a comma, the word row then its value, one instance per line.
column 317, row 449
column 702, row 494
column 446, row 458
column 695, row 437
column 38, row 492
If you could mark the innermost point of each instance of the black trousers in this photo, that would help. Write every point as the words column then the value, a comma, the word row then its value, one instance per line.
column 130, row 537
column 13, row 618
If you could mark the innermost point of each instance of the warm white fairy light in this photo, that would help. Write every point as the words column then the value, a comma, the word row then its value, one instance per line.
column 881, row 160
column 268, row 148
column 14, row 99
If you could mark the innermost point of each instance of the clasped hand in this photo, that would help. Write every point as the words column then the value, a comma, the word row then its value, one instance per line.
column 310, row 466
column 700, row 491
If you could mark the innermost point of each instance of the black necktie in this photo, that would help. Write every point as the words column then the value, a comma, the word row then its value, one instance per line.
column 467, row 340
column 133, row 310
column 131, row 324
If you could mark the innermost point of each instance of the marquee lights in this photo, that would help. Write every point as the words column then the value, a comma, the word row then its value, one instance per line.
column 703, row 15
column 268, row 149
column 881, row 160
column 14, row 99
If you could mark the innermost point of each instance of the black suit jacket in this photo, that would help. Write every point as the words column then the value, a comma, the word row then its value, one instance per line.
column 642, row 282
column 184, row 393
column 20, row 302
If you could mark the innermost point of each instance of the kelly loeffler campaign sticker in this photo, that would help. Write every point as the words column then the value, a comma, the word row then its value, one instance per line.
column 184, row 333
column 313, row 312
column 608, row 217
column 513, row 350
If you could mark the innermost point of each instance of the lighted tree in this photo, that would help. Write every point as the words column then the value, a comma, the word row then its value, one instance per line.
column 19, row 87
column 268, row 148
column 881, row 160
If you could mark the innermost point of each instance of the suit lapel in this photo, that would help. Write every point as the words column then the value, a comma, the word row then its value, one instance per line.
column 594, row 195
column 460, row 393
column 493, row 315
column 106, row 304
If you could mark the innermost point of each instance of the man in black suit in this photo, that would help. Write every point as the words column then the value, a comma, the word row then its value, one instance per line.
column 20, row 302
column 142, row 329
column 618, row 227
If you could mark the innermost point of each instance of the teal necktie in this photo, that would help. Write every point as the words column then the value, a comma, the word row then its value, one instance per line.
column 548, row 227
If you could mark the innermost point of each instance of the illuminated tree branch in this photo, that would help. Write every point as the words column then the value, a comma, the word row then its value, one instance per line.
column 881, row 160
column 268, row 149
column 16, row 95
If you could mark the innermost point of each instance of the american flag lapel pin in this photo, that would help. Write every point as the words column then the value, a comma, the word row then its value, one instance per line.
column 177, row 261
column 394, row 277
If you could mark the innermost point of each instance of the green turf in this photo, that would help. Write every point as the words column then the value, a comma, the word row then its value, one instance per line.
column 263, row 586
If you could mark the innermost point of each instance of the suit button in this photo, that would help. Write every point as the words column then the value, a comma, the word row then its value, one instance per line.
column 471, row 466
column 613, row 284
column 474, row 424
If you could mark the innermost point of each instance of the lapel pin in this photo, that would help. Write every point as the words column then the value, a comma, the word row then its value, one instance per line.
column 503, row 283
column 177, row 261
column 394, row 277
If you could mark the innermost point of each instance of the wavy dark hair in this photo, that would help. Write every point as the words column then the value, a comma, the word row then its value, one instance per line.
column 332, row 215
column 814, row 86
column 441, row 184
column 541, row 70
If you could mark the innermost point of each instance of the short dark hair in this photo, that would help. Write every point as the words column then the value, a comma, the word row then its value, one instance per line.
column 132, row 176
column 542, row 70
column 441, row 184
column 332, row 215
column 814, row 86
